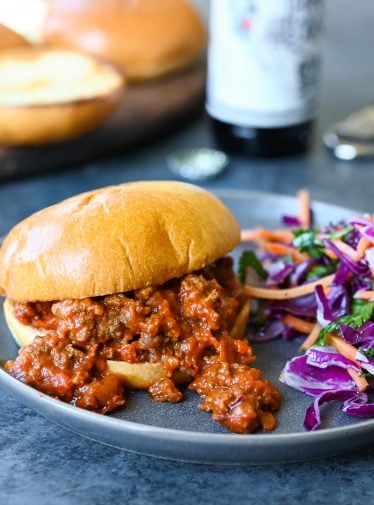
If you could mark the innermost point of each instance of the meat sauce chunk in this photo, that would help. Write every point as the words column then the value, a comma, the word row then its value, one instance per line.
column 185, row 324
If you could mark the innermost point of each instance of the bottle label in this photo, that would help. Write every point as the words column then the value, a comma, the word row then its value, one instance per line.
column 264, row 61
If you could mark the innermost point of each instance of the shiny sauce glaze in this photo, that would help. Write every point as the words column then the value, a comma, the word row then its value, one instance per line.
column 185, row 324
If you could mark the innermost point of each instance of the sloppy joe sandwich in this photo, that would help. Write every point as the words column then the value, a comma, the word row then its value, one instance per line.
column 130, row 287
column 146, row 38
column 49, row 96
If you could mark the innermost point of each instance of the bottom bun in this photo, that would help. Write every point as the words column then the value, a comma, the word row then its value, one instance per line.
column 136, row 375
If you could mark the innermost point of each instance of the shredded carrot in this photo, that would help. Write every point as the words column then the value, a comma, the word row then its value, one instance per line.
column 284, row 250
column 311, row 338
column 304, row 207
column 362, row 245
column 330, row 254
column 287, row 294
column 361, row 382
column 346, row 249
column 298, row 324
column 347, row 350
column 364, row 295
column 259, row 234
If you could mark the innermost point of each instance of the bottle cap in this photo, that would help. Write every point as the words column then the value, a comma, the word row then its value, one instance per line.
column 197, row 164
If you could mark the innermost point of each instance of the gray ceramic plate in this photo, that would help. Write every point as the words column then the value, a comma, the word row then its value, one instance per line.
column 184, row 433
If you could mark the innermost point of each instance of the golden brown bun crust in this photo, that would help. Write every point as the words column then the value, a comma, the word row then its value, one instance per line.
column 114, row 240
column 54, row 106
column 9, row 38
column 146, row 38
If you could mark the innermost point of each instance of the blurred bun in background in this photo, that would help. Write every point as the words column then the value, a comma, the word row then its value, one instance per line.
column 146, row 38
column 9, row 38
column 50, row 95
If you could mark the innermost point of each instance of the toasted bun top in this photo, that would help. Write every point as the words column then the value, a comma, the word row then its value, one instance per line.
column 147, row 38
column 115, row 239
column 9, row 38
column 30, row 76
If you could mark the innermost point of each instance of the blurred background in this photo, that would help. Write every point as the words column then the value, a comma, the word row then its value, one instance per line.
column 160, row 103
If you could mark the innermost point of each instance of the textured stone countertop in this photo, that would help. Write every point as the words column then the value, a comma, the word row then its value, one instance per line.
column 42, row 464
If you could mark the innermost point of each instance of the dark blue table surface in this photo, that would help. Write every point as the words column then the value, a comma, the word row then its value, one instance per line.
column 41, row 463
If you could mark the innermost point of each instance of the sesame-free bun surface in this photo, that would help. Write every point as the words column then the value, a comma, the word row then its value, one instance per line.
column 49, row 95
column 146, row 38
column 114, row 240
column 9, row 38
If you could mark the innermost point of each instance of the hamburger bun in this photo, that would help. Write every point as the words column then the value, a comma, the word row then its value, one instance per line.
column 146, row 38
column 114, row 240
column 9, row 39
column 49, row 96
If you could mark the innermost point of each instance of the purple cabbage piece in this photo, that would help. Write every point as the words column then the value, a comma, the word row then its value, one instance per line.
column 359, row 268
column 350, row 335
column 367, row 345
column 360, row 284
column 323, row 357
column 368, row 232
column 303, row 306
column 358, row 406
column 339, row 301
column 271, row 330
column 355, row 336
column 300, row 272
column 289, row 333
column 278, row 272
column 333, row 306
column 366, row 362
column 324, row 314
column 313, row 380
column 312, row 419
column 341, row 274
column 291, row 221
column 352, row 238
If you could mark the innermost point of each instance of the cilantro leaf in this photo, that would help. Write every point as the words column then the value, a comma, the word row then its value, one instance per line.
column 322, row 270
column 249, row 259
column 361, row 313
column 306, row 241
column 368, row 352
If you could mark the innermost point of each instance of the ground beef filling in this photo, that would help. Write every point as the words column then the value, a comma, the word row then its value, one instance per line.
column 185, row 324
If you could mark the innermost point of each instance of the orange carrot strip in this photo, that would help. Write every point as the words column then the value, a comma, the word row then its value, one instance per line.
column 347, row 350
column 362, row 245
column 259, row 234
column 361, row 382
column 304, row 207
column 284, row 250
column 311, row 338
column 346, row 249
column 364, row 295
column 286, row 294
column 298, row 324
column 330, row 254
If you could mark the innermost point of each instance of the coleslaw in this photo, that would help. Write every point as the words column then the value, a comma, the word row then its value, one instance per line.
column 317, row 281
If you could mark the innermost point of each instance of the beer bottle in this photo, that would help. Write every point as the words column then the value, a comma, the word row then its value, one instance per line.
column 263, row 74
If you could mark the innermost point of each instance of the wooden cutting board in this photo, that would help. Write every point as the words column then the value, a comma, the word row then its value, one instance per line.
column 147, row 110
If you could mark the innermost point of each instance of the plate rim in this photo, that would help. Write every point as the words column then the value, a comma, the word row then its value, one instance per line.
column 175, row 433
